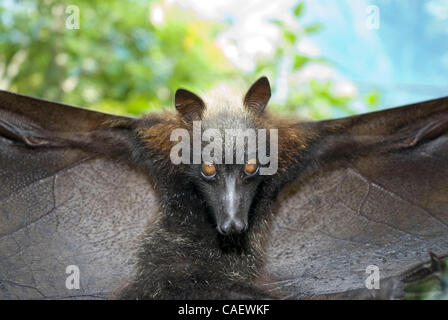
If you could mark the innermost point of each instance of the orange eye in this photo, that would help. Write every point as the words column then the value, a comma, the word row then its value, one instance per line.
column 208, row 170
column 251, row 167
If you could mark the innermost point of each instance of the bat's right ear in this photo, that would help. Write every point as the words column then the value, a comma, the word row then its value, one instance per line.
column 258, row 95
column 189, row 105
column 37, row 123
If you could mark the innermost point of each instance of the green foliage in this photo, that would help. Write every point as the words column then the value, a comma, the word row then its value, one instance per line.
column 117, row 61
column 307, row 97
column 434, row 287
column 120, row 61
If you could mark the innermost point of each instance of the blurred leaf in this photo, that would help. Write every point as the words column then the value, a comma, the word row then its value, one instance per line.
column 299, row 61
column 298, row 9
column 289, row 36
column 372, row 98
column 313, row 28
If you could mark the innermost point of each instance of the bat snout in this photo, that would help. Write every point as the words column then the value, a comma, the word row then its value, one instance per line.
column 232, row 226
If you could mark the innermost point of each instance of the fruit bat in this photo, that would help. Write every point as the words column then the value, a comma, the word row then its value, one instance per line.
column 81, row 191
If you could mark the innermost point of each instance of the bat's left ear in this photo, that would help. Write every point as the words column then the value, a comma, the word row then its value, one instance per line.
column 258, row 95
column 189, row 105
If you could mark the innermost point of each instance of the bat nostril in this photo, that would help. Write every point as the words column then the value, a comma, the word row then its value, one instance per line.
column 220, row 230
column 232, row 227
column 239, row 226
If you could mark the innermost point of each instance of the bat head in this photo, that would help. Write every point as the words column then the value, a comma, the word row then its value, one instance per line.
column 227, row 170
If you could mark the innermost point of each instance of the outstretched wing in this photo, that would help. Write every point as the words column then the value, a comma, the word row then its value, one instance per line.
column 375, row 193
column 64, row 206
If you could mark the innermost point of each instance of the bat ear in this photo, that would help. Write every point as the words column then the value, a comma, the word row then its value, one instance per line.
column 258, row 95
column 189, row 105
